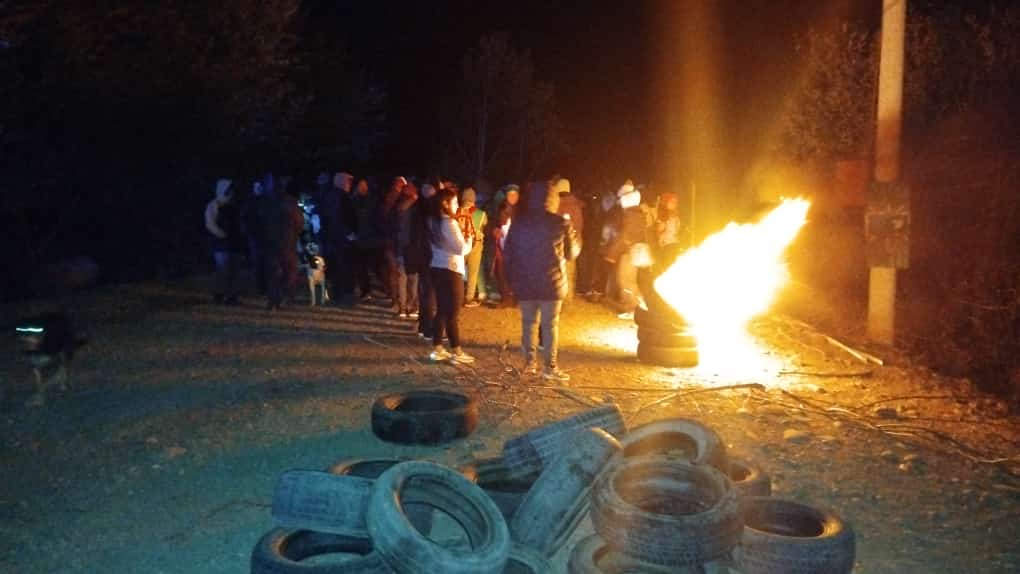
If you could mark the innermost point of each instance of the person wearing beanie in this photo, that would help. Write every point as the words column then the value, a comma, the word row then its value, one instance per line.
column 538, row 248
column 632, row 231
column 223, row 222
column 499, row 225
column 473, row 220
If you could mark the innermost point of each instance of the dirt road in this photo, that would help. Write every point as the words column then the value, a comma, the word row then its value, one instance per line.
column 162, row 457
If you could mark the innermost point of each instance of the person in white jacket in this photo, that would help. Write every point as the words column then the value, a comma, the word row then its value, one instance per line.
column 449, row 246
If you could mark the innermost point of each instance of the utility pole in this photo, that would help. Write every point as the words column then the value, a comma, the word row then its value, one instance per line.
column 888, row 209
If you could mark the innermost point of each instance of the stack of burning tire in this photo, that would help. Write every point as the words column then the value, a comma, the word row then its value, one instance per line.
column 664, row 337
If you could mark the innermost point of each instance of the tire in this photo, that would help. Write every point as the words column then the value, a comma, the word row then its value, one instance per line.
column 667, row 356
column 505, row 487
column 424, row 417
column 658, row 320
column 666, row 511
column 406, row 550
column 526, row 561
column 749, row 479
column 552, row 509
column 323, row 502
column 283, row 551
column 695, row 441
column 786, row 537
column 419, row 515
column 671, row 339
column 593, row 556
column 530, row 452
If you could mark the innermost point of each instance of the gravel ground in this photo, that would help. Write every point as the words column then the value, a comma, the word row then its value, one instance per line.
column 163, row 455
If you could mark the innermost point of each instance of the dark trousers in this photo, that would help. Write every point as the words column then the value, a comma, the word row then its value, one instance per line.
column 449, row 286
column 426, row 303
column 364, row 260
column 227, row 263
column 282, row 272
column 257, row 262
column 344, row 272
column 390, row 274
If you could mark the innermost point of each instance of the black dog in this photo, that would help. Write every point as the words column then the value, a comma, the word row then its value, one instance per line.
column 49, row 343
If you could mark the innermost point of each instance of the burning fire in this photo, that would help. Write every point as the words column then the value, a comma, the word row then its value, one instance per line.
column 732, row 277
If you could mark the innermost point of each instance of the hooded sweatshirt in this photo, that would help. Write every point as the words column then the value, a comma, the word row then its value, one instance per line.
column 538, row 247
column 223, row 219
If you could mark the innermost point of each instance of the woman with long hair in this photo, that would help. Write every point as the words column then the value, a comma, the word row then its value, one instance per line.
column 449, row 246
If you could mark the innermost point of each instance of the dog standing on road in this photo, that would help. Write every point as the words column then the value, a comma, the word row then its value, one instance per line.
column 316, row 272
column 49, row 343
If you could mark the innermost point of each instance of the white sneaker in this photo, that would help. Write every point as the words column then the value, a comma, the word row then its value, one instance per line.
column 403, row 315
column 459, row 356
column 555, row 374
column 628, row 316
column 531, row 369
column 439, row 354
column 412, row 315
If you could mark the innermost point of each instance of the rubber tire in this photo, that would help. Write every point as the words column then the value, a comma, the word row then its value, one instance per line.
column 505, row 487
column 766, row 549
column 406, row 550
column 282, row 550
column 667, row 356
column 555, row 505
column 321, row 501
column 419, row 515
column 679, row 538
column 661, row 437
column 749, row 479
column 532, row 451
column 670, row 339
column 593, row 556
column 424, row 417
column 658, row 321
column 524, row 560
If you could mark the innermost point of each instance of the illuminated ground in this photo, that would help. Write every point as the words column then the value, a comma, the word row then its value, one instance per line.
column 163, row 457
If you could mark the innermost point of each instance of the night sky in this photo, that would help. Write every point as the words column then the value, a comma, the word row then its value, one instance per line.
column 611, row 63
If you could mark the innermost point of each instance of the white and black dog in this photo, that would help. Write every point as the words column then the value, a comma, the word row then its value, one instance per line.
column 49, row 343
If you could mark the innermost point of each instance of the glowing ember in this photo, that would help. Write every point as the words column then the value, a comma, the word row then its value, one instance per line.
column 734, row 275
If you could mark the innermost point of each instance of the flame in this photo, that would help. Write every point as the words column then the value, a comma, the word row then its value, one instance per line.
column 732, row 277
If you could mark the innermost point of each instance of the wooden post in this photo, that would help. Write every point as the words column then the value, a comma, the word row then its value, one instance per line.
column 882, row 281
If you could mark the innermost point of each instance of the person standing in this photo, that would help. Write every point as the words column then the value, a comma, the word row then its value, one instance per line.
column 449, row 246
column 538, row 248
column 407, row 275
column 255, row 226
column 346, row 225
column 669, row 230
column 282, row 249
column 632, row 231
column 572, row 208
column 365, row 239
column 223, row 222
column 500, row 227
column 386, row 223
column 474, row 219
column 418, row 257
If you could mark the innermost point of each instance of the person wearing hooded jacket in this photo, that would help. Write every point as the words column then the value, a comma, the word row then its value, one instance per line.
column 631, row 232
column 474, row 220
column 449, row 246
column 223, row 222
column 287, row 221
column 538, row 248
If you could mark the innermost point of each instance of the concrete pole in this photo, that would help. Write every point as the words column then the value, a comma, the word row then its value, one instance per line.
column 882, row 281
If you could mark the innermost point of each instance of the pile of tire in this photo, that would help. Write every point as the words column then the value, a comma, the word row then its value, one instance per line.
column 664, row 337
column 662, row 497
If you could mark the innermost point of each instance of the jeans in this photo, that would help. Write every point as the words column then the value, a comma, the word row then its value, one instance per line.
column 550, row 318
column 407, row 288
column 475, row 279
column 226, row 272
column 449, row 286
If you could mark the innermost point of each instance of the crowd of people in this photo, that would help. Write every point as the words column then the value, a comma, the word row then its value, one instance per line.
column 428, row 249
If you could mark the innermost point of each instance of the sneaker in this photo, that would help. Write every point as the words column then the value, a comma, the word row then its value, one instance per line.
column 459, row 356
column 439, row 354
column 403, row 315
column 412, row 315
column 531, row 369
column 555, row 374
column 627, row 316
column 471, row 304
